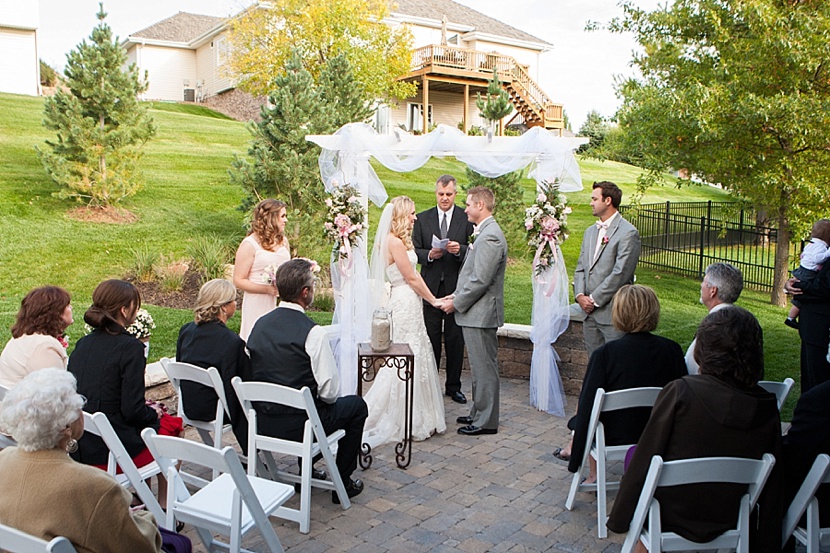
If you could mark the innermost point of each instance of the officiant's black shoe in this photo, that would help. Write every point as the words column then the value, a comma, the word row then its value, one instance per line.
column 353, row 488
column 457, row 397
column 464, row 420
column 476, row 431
column 315, row 475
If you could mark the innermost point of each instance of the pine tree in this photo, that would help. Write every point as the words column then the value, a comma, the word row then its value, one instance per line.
column 346, row 101
column 101, row 125
column 497, row 103
column 509, row 209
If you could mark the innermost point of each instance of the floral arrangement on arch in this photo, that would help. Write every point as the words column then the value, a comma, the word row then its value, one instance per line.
column 143, row 326
column 546, row 222
column 345, row 219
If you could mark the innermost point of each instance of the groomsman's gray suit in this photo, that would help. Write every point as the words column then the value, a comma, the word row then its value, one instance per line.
column 600, row 277
column 479, row 306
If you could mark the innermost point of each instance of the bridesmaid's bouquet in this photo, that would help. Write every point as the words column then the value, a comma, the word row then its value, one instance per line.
column 143, row 326
column 546, row 222
column 345, row 219
column 269, row 274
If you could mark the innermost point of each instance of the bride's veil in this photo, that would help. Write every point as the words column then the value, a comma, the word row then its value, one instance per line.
column 377, row 267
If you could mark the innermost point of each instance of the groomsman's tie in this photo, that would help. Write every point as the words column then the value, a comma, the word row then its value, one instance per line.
column 443, row 225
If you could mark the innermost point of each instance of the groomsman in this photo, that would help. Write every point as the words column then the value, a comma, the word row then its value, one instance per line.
column 609, row 256
column 439, row 268
column 479, row 303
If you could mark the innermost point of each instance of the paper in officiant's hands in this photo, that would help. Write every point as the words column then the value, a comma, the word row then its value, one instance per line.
column 439, row 244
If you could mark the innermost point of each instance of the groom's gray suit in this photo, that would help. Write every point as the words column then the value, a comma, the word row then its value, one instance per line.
column 479, row 306
column 600, row 277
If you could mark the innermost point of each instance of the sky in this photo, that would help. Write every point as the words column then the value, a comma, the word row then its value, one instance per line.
column 578, row 72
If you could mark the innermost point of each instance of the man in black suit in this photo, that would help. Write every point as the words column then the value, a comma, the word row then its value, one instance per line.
column 439, row 268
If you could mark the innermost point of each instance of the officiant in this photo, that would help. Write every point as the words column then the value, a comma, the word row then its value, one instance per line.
column 440, row 237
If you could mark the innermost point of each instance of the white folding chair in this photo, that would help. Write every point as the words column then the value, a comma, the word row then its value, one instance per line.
column 315, row 442
column 15, row 541
column 605, row 402
column 780, row 389
column 178, row 372
column 5, row 441
column 131, row 476
column 661, row 473
column 231, row 504
column 813, row 536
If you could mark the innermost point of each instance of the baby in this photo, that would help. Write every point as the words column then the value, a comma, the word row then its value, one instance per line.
column 814, row 255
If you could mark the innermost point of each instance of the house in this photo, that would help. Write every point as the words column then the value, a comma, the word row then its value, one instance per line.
column 19, row 66
column 455, row 51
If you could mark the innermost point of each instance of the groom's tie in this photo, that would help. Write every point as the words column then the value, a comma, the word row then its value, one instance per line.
column 443, row 225
column 602, row 230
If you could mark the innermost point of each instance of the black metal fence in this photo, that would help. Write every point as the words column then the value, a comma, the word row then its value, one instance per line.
column 685, row 237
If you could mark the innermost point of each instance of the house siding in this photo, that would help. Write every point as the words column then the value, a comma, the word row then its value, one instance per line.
column 209, row 61
column 447, row 109
column 167, row 70
column 19, row 72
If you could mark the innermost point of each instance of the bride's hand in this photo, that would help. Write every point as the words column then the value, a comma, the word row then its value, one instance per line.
column 438, row 303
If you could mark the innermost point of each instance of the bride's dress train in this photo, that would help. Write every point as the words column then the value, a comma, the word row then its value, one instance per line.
column 386, row 398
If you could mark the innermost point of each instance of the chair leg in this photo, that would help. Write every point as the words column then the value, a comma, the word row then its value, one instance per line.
column 602, row 531
column 569, row 503
column 206, row 437
column 305, row 494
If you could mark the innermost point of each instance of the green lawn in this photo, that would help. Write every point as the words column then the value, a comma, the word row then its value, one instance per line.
column 188, row 195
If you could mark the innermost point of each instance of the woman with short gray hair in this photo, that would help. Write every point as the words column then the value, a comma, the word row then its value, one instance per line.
column 43, row 492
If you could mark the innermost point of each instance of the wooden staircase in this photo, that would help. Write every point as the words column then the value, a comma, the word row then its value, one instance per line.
column 531, row 102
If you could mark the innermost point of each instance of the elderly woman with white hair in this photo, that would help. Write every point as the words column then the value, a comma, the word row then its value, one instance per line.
column 44, row 492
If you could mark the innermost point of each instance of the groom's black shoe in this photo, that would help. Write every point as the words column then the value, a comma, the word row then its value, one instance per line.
column 464, row 420
column 476, row 431
column 353, row 488
column 457, row 397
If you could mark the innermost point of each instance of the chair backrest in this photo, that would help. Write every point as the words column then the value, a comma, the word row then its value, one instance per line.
column 178, row 372
column 99, row 424
column 613, row 401
column 249, row 392
column 15, row 541
column 780, row 389
column 734, row 470
column 819, row 474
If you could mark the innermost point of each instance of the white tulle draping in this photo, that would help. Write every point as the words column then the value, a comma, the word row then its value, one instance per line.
column 549, row 320
column 352, row 315
column 346, row 153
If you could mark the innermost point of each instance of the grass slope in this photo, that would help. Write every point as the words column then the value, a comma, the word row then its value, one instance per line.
column 187, row 195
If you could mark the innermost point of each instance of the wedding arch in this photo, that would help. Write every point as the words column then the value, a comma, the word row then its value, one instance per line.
column 345, row 160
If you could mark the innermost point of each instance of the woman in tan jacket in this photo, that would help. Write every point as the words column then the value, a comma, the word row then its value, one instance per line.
column 44, row 492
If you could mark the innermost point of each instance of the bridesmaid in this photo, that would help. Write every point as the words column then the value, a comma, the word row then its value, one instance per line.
column 265, row 247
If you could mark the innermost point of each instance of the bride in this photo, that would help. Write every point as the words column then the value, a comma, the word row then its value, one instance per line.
column 393, row 261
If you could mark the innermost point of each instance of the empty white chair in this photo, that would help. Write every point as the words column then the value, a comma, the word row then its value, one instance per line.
column 813, row 536
column 5, row 441
column 131, row 476
column 605, row 402
column 661, row 473
column 315, row 442
column 232, row 504
column 15, row 541
column 780, row 389
column 178, row 372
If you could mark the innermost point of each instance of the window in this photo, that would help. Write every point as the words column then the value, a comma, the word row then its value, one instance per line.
column 415, row 117
column 383, row 119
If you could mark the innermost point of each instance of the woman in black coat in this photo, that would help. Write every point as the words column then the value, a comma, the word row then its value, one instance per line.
column 637, row 359
column 207, row 342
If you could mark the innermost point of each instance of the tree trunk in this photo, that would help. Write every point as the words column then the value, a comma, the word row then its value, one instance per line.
column 782, row 260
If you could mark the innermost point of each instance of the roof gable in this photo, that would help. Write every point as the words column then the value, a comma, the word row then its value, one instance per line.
column 182, row 27
column 456, row 13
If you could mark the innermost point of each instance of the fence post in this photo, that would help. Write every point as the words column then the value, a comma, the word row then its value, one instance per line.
column 702, row 238
column 666, row 226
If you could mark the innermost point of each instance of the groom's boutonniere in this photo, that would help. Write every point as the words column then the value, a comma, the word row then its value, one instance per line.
column 472, row 238
column 605, row 241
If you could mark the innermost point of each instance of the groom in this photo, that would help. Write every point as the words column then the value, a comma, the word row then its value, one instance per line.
column 478, row 303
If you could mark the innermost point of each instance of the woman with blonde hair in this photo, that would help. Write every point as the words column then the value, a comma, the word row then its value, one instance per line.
column 393, row 261
column 637, row 359
column 257, row 259
column 44, row 492
column 207, row 342
column 38, row 338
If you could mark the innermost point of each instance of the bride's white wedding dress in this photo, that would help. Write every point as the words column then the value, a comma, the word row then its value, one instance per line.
column 386, row 397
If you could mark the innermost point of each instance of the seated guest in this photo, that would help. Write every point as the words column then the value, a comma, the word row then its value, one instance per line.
column 637, row 359
column 44, row 492
column 37, row 336
column 721, row 286
column 808, row 436
column 721, row 412
column 207, row 342
column 109, row 365
column 289, row 349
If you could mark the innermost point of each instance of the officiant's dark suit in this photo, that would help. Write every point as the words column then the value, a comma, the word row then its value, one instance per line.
column 441, row 276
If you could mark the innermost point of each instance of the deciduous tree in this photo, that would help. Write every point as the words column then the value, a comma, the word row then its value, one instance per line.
column 263, row 38
column 101, row 125
column 737, row 92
